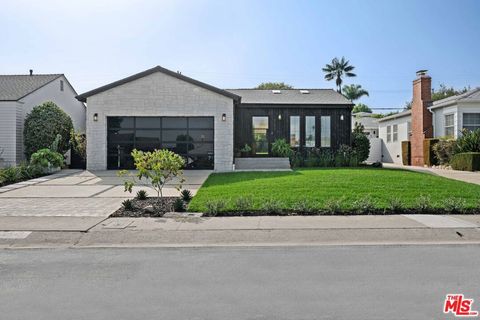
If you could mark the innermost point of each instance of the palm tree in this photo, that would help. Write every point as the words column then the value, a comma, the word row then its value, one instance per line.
column 354, row 92
column 336, row 70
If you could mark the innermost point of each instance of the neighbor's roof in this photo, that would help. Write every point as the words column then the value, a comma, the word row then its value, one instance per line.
column 15, row 87
column 396, row 115
column 83, row 97
column 469, row 96
column 291, row 96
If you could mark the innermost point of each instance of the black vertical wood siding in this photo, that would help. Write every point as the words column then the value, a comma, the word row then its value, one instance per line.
column 340, row 129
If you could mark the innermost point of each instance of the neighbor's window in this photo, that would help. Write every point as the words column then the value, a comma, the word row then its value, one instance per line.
column 295, row 131
column 309, row 132
column 389, row 133
column 395, row 132
column 449, row 125
column 61, row 85
column 471, row 121
column 325, row 132
column 409, row 129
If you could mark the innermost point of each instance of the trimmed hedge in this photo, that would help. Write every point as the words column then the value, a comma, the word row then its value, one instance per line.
column 406, row 153
column 467, row 161
column 429, row 157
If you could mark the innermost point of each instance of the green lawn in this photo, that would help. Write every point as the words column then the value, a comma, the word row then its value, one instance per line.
column 320, row 186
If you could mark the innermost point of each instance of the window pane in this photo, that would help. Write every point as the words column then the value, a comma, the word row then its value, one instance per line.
column 120, row 135
column 200, row 123
column 147, row 136
column 389, row 133
column 174, row 123
column 295, row 131
column 120, row 122
column 395, row 132
column 310, row 132
column 147, row 122
column 201, row 135
column 471, row 121
column 175, row 135
column 260, row 138
column 148, row 146
column 449, row 131
column 201, row 148
column 325, row 131
column 449, row 120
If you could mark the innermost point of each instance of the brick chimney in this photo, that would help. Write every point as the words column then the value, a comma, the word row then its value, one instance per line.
column 421, row 117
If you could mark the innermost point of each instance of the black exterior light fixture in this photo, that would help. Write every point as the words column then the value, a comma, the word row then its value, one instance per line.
column 95, row 117
column 224, row 117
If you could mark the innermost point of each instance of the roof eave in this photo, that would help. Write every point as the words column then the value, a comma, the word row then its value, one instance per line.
column 83, row 97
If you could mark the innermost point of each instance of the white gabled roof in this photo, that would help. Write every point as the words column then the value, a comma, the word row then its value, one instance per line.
column 469, row 96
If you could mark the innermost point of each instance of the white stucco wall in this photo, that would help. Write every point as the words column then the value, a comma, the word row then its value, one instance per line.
column 392, row 151
column 159, row 94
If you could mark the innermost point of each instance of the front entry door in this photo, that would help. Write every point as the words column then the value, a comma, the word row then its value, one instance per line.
column 260, row 135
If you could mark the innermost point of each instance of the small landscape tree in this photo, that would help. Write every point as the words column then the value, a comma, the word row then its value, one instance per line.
column 157, row 167
column 360, row 143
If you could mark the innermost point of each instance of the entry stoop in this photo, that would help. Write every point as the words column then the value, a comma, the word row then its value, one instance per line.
column 262, row 164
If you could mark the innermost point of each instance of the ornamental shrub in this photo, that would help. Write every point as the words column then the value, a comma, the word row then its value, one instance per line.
column 361, row 146
column 42, row 125
column 444, row 149
column 280, row 148
column 469, row 141
column 46, row 158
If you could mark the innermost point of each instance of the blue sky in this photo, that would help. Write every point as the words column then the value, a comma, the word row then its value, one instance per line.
column 236, row 44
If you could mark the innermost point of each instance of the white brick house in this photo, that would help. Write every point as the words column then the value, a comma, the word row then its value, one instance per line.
column 169, row 97
column 19, row 94
column 162, row 109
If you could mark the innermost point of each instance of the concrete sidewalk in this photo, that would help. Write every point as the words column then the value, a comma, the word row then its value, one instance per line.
column 465, row 176
column 257, row 231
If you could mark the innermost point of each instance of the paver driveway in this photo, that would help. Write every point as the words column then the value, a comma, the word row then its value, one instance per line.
column 78, row 193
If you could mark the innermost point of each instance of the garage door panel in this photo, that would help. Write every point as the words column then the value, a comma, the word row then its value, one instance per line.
column 190, row 137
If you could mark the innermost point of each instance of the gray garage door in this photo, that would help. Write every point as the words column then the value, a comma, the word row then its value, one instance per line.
column 191, row 137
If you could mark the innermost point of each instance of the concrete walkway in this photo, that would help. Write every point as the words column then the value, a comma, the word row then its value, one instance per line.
column 84, row 197
column 465, row 176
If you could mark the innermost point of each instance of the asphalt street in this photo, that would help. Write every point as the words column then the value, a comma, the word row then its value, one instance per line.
column 325, row 282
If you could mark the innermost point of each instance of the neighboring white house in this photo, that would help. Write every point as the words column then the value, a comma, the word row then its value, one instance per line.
column 369, row 122
column 451, row 115
column 19, row 94
column 392, row 131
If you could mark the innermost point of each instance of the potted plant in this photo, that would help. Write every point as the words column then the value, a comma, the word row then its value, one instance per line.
column 245, row 151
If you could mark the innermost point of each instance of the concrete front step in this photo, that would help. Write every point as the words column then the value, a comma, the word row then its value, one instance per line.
column 262, row 164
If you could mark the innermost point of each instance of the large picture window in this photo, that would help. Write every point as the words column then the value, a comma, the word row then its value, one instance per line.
column 471, row 121
column 191, row 137
column 325, row 132
column 309, row 131
column 295, row 131
column 449, row 125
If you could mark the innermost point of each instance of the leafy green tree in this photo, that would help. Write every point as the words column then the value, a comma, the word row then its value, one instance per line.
column 445, row 92
column 360, row 144
column 157, row 167
column 337, row 69
column 43, row 124
column 354, row 92
column 360, row 107
column 273, row 86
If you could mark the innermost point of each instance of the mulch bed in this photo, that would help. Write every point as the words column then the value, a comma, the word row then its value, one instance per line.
column 161, row 206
